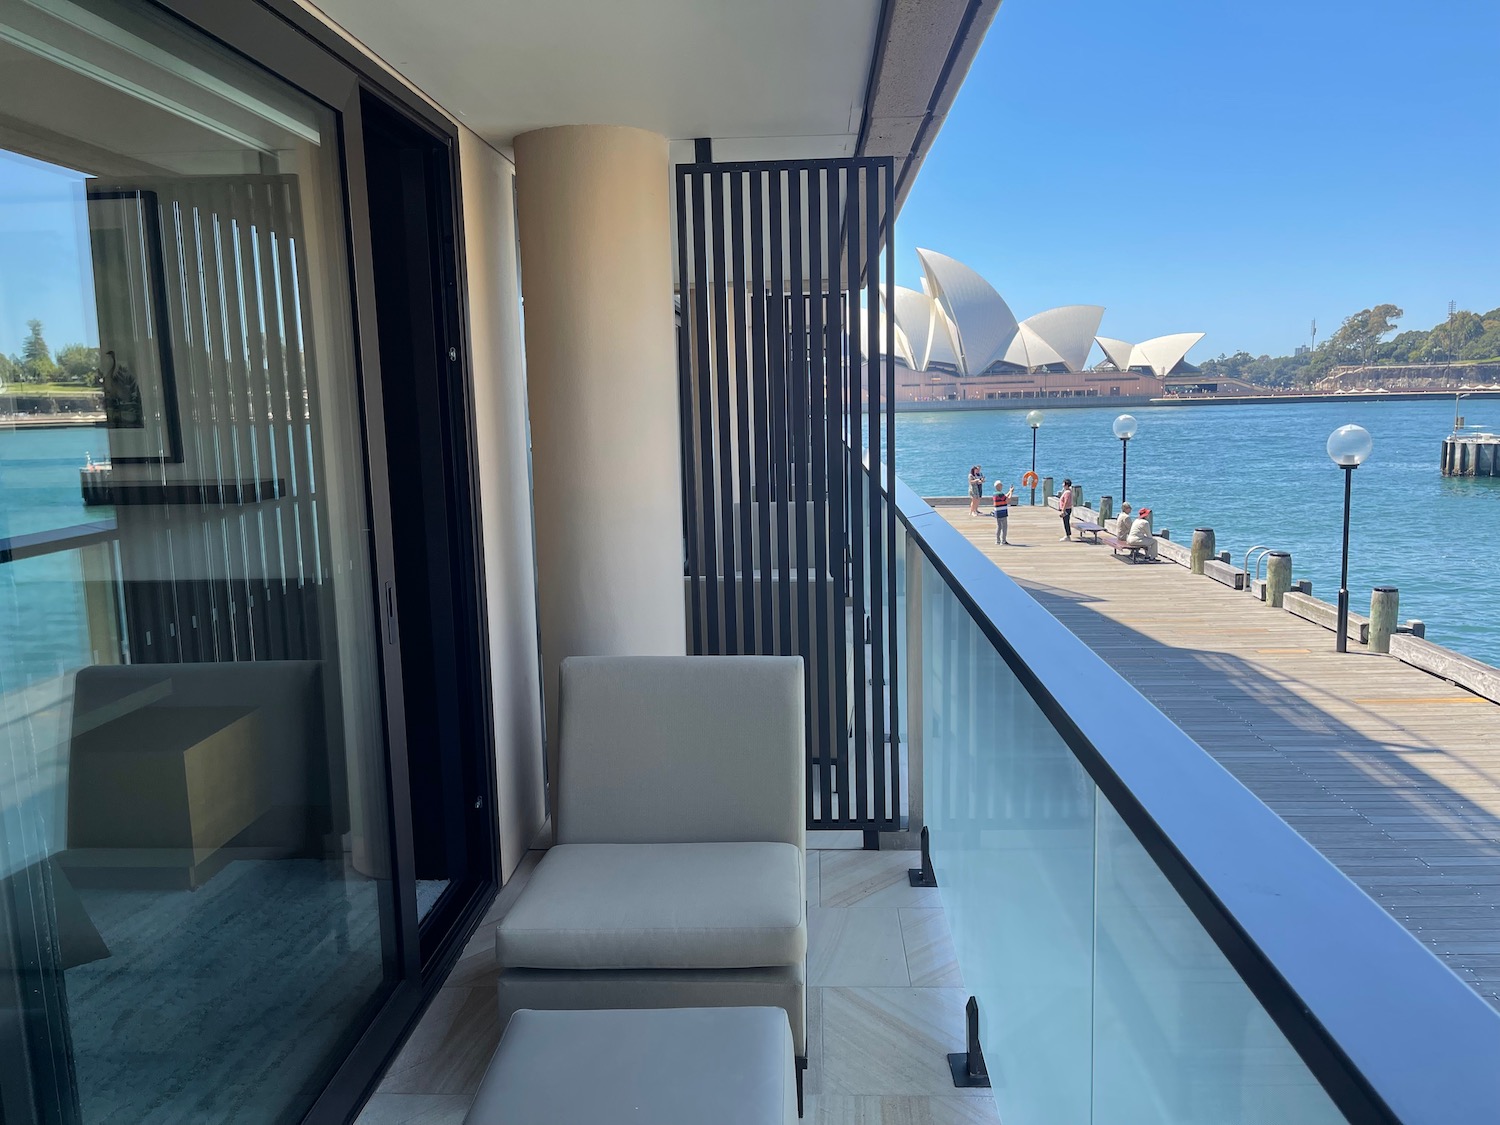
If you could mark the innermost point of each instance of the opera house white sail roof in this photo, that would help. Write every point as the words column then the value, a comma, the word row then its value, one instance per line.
column 1160, row 355
column 960, row 322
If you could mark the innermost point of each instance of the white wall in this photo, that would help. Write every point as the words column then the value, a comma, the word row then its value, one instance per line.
column 503, row 471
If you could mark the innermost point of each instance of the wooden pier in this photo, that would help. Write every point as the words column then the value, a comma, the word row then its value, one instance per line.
column 1393, row 773
column 1471, row 455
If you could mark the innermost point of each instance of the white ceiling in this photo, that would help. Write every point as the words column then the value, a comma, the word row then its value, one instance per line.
column 762, row 77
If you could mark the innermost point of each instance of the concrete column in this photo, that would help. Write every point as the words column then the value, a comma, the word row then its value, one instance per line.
column 601, row 376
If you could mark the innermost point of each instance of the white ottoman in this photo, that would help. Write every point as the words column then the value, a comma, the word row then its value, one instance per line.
column 658, row 1066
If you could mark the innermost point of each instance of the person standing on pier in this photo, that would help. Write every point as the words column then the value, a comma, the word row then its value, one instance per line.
column 1065, row 508
column 1003, row 500
column 976, row 489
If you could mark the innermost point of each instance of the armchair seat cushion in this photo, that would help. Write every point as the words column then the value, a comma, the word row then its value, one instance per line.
column 659, row 906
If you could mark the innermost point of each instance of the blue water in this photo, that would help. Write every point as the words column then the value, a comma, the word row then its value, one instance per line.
column 43, row 626
column 39, row 478
column 1255, row 474
column 1259, row 474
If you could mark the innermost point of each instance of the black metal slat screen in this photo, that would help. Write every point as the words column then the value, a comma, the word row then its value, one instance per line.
column 783, row 269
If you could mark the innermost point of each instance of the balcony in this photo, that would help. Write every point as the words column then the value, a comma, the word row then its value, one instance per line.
column 1146, row 940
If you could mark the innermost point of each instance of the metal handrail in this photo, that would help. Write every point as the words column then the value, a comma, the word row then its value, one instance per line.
column 1391, row 1033
column 1261, row 557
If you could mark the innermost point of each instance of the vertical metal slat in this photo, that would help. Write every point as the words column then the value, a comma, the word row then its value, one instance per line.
column 745, row 575
column 761, row 451
column 690, row 497
column 705, row 414
column 722, row 408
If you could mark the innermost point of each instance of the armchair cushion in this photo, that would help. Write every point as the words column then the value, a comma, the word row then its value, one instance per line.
column 681, row 749
column 659, row 906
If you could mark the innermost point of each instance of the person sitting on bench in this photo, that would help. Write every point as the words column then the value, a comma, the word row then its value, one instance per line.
column 1140, row 534
column 1123, row 522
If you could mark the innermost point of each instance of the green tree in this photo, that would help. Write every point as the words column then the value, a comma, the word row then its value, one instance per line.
column 1360, row 334
column 10, row 370
column 1484, row 346
column 1404, row 347
column 36, row 358
column 77, row 364
column 1447, row 340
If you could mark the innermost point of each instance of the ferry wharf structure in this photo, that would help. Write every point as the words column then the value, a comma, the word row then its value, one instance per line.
column 1471, row 455
column 1391, row 772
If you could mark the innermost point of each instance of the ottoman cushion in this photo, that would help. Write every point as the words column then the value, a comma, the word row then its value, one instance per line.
column 663, row 1066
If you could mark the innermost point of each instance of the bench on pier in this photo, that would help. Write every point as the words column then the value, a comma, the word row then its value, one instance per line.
column 1136, row 551
column 1088, row 527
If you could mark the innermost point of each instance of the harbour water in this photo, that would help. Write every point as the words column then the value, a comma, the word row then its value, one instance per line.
column 1256, row 474
column 39, row 477
column 43, row 627
column 1259, row 474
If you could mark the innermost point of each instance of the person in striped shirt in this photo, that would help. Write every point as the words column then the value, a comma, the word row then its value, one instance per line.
column 1003, row 500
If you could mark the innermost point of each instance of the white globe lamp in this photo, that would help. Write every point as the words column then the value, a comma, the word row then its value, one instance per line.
column 1348, row 448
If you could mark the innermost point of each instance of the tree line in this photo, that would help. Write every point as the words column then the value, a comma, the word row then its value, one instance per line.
column 1367, row 338
column 73, row 365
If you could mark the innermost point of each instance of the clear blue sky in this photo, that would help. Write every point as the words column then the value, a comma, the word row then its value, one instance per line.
column 45, row 272
column 1232, row 168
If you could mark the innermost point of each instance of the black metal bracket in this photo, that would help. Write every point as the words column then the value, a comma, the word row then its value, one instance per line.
column 926, row 875
column 969, row 1071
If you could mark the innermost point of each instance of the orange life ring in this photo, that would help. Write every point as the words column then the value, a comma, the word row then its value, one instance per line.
column 1029, row 479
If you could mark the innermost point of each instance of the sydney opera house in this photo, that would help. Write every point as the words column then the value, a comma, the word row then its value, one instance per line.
column 957, row 340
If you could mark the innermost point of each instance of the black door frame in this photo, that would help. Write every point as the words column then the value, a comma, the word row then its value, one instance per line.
column 288, row 42
column 422, row 325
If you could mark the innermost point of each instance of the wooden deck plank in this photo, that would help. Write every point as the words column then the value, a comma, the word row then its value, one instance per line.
column 1392, row 773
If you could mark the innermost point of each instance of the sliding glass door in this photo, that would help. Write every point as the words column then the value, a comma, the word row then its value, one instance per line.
column 204, row 897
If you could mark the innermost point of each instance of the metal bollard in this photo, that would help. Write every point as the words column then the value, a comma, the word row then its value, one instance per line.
column 1106, row 507
column 1384, row 603
column 1278, row 577
column 1202, row 549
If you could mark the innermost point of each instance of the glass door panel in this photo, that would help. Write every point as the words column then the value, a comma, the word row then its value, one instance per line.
column 194, row 830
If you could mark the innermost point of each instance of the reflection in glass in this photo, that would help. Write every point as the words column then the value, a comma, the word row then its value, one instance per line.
column 192, row 790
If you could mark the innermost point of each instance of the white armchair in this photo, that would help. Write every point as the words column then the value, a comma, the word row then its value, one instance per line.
column 679, row 874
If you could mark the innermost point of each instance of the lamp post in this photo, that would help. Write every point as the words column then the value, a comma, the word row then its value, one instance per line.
column 1034, row 420
column 1348, row 447
column 1125, row 427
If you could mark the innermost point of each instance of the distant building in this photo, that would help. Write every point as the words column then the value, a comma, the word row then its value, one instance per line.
column 958, row 339
column 1301, row 349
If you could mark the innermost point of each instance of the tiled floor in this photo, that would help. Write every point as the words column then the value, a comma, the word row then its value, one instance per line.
column 885, row 1006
